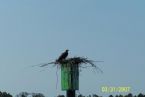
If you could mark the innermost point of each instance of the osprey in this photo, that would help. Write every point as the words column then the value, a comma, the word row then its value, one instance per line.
column 63, row 56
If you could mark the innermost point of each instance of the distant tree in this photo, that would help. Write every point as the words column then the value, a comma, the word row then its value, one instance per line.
column 5, row 94
column 81, row 95
column 116, row 96
column 141, row 95
column 60, row 96
column 37, row 95
column 120, row 96
column 110, row 95
column 22, row 94
column 94, row 95
column 129, row 95
column 26, row 94
column 0, row 94
column 126, row 96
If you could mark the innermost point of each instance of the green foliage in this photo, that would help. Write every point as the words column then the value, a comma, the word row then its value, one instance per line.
column 4, row 94
column 26, row 94
column 141, row 95
column 110, row 95
column 38, row 95
column 94, row 95
column 128, row 95
column 60, row 96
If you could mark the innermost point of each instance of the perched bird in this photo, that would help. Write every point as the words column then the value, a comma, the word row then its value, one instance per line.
column 63, row 56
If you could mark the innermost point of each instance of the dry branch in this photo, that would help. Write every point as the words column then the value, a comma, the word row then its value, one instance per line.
column 80, row 61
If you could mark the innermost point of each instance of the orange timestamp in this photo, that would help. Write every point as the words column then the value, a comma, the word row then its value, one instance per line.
column 109, row 89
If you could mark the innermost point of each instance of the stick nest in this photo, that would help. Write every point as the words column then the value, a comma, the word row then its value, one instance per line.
column 76, row 61
column 80, row 61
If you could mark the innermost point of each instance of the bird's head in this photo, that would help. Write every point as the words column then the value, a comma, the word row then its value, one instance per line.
column 67, row 50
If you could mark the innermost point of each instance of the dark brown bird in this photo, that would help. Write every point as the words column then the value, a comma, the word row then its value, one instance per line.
column 63, row 56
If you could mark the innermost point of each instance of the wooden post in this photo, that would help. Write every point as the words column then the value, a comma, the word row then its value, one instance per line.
column 70, row 79
column 70, row 93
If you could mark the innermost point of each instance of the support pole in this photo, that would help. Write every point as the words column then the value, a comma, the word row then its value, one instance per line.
column 69, row 79
column 70, row 93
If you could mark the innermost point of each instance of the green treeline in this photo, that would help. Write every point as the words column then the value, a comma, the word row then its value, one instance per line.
column 128, row 95
column 5, row 94
column 94, row 95
column 25, row 94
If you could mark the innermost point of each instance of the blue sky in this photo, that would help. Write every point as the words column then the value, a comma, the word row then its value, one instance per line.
column 37, row 31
